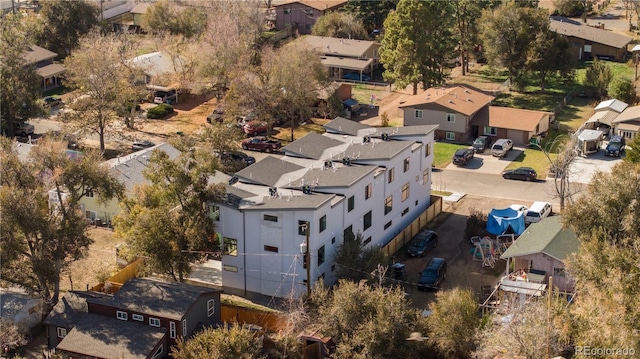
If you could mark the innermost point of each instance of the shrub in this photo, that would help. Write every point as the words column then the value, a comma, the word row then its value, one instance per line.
column 159, row 111
column 476, row 223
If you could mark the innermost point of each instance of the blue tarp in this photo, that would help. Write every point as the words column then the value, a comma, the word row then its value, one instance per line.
column 500, row 220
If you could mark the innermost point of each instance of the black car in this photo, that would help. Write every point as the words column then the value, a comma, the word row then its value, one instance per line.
column 423, row 242
column 433, row 274
column 615, row 146
column 521, row 173
column 216, row 116
column 462, row 156
column 237, row 156
column 141, row 145
column 50, row 101
column 481, row 144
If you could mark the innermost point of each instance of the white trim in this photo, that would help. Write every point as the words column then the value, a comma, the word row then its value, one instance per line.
column 184, row 328
column 137, row 317
column 451, row 135
column 211, row 307
column 172, row 330
column 154, row 322
column 418, row 113
column 158, row 352
column 122, row 315
column 62, row 332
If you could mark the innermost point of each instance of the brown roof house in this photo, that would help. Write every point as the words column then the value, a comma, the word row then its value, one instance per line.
column 339, row 56
column 142, row 320
column 627, row 123
column 453, row 109
column 513, row 123
column 588, row 42
column 42, row 60
column 300, row 14
column 604, row 115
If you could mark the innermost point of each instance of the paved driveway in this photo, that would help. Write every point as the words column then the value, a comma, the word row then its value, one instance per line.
column 485, row 163
column 583, row 168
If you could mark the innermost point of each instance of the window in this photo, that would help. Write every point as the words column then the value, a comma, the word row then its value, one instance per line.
column 89, row 193
column 367, row 220
column 425, row 176
column 214, row 213
column 366, row 241
column 158, row 352
column 406, row 210
column 418, row 113
column 558, row 272
column 211, row 307
column 427, row 149
column 230, row 246
column 451, row 135
column 388, row 204
column 270, row 218
column 154, row 322
column 348, row 232
column 368, row 191
column 184, row 327
column 270, row 249
column 333, row 240
column 405, row 192
column 121, row 315
column 323, row 223
column 137, row 317
column 287, row 10
column 451, row 117
column 62, row 332
column 491, row 131
column 333, row 267
column 320, row 255
column 391, row 174
column 302, row 227
column 172, row 330
column 406, row 164
column 386, row 226
column 351, row 203
column 230, row 268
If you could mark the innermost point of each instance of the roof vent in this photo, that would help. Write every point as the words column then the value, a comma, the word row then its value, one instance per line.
column 273, row 192
column 450, row 101
column 469, row 99
column 467, row 91
column 385, row 137
column 366, row 139
column 328, row 164
column 346, row 161
column 306, row 189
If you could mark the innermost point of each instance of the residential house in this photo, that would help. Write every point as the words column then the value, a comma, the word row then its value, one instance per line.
column 452, row 109
column 541, row 252
column 43, row 61
column 627, row 123
column 516, row 124
column 19, row 308
column 588, row 42
column 142, row 320
column 341, row 56
column 161, row 71
column 126, row 16
column 605, row 113
column 352, row 179
column 301, row 14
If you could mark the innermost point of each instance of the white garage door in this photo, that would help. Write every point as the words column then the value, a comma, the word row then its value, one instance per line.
column 515, row 136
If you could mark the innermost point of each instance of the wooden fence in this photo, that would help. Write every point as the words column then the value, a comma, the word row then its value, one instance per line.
column 270, row 322
column 415, row 227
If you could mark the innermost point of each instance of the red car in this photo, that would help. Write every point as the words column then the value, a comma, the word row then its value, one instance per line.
column 255, row 127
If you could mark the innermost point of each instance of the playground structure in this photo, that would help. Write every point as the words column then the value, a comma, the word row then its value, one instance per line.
column 487, row 250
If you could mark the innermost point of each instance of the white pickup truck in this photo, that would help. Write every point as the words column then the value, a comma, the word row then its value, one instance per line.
column 501, row 147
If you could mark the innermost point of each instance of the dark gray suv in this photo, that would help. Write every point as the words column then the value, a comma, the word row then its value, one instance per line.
column 615, row 146
column 422, row 242
column 481, row 144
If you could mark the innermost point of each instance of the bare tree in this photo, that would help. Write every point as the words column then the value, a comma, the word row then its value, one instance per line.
column 561, row 168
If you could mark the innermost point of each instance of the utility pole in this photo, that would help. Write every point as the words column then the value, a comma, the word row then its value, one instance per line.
column 307, row 256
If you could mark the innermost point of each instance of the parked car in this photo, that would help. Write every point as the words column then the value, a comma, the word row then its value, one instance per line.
column 165, row 97
column 236, row 157
column 50, row 101
column 422, row 243
column 501, row 147
column 22, row 129
column 261, row 143
column 398, row 271
column 521, row 173
column 462, row 156
column 255, row 127
column 519, row 208
column 433, row 274
column 141, row 145
column 216, row 116
column 356, row 77
column 481, row 144
column 537, row 212
column 615, row 146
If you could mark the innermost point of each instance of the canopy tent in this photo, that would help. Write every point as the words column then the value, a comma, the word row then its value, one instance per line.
column 500, row 221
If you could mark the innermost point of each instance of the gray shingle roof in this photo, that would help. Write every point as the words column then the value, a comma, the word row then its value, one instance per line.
column 343, row 176
column 35, row 54
column 398, row 132
column 295, row 201
column 270, row 172
column 344, row 126
column 68, row 311
column 234, row 196
column 568, row 27
column 376, row 150
column 339, row 47
column 164, row 299
column 128, row 169
column 103, row 337
column 315, row 146
column 547, row 236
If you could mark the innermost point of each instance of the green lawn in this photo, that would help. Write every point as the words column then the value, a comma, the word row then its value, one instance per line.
column 443, row 152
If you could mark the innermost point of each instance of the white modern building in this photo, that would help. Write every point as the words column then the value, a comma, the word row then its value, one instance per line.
column 353, row 178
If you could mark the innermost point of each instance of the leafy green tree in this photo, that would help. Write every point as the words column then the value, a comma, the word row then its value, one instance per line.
column 43, row 226
column 623, row 89
column 339, row 24
column 453, row 323
column 598, row 77
column 467, row 13
column 550, row 45
column 507, row 34
column 417, row 43
column 606, row 267
column 101, row 71
column 166, row 16
column 572, row 8
column 167, row 221
column 228, row 342
column 633, row 151
column 372, row 13
column 64, row 23
column 20, row 85
column 355, row 261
